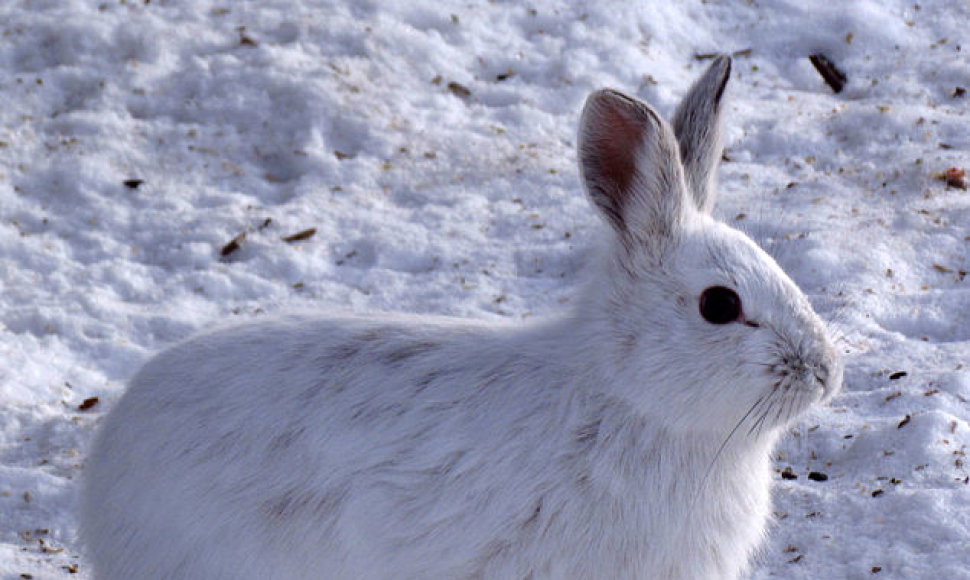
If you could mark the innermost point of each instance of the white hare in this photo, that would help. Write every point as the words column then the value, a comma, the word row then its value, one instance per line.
column 627, row 438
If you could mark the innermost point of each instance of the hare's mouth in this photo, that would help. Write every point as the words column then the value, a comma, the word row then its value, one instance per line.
column 822, row 378
column 795, row 389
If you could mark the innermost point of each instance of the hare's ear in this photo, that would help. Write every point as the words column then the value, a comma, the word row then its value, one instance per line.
column 697, row 124
column 629, row 165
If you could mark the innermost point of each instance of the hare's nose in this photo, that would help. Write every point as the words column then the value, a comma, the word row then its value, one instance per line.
column 832, row 377
column 824, row 367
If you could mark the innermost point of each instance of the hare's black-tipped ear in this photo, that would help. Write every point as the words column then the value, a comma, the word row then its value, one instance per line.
column 629, row 164
column 697, row 124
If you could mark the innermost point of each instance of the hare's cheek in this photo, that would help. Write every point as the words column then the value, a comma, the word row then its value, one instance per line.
column 757, row 357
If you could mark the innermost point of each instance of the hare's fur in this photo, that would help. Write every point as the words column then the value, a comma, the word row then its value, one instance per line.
column 628, row 438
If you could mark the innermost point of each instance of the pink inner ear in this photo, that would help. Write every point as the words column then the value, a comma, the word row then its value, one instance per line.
column 617, row 138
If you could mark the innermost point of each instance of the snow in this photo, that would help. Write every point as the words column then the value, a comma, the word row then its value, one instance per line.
column 350, row 117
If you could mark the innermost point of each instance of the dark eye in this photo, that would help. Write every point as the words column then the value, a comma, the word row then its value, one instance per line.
column 720, row 305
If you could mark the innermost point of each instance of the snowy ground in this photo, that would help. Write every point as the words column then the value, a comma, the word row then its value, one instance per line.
column 431, row 145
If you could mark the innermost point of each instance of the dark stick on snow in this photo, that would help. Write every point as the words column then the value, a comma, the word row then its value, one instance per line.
column 303, row 235
column 713, row 55
column 830, row 73
column 233, row 245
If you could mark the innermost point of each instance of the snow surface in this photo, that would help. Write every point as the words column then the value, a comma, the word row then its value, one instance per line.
column 273, row 117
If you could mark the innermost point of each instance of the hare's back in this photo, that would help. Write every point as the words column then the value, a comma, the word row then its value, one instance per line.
column 253, row 391
column 255, row 429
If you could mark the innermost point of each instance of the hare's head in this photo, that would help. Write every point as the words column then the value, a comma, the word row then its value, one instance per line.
column 706, row 330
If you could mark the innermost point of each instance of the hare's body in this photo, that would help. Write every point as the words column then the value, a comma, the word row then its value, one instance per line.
column 363, row 457
column 626, row 439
